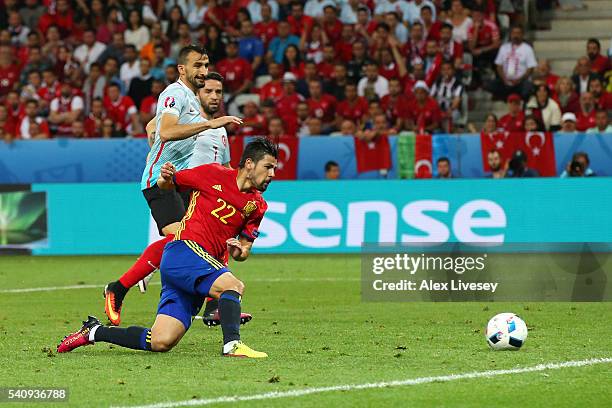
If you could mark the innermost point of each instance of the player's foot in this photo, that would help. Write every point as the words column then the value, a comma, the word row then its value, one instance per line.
column 113, row 300
column 143, row 284
column 239, row 349
column 80, row 337
column 213, row 319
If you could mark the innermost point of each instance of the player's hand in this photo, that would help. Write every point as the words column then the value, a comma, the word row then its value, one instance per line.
column 223, row 121
column 234, row 247
column 167, row 171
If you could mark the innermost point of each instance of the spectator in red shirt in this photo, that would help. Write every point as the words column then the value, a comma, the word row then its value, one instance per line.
column 9, row 70
column 344, row 46
column 148, row 106
column 62, row 17
column 25, row 130
column 95, row 120
column 292, row 61
column 432, row 27
column 287, row 104
column 331, row 23
column 415, row 47
column 122, row 111
column 16, row 109
column 395, row 105
column 267, row 28
column 451, row 50
column 483, row 41
column 321, row 105
column 64, row 110
column 7, row 125
column 274, row 88
column 253, row 122
column 565, row 95
column 424, row 110
column 599, row 63
column 237, row 72
column 353, row 107
column 542, row 75
column 514, row 120
column 585, row 117
column 603, row 99
column 326, row 67
column 300, row 24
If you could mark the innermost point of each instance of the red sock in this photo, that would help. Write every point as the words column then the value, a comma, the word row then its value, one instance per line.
column 147, row 263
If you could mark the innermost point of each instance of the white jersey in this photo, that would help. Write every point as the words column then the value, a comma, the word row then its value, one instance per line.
column 211, row 146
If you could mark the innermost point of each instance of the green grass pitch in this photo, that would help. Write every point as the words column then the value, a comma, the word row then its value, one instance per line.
column 309, row 317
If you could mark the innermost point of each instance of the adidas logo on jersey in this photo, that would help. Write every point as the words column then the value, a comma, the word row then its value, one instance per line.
column 217, row 187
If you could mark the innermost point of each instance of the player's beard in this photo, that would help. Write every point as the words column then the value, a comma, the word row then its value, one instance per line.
column 193, row 80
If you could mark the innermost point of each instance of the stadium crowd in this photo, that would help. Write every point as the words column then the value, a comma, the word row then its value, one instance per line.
column 89, row 69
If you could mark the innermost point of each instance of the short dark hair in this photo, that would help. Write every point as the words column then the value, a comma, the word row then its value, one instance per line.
column 447, row 25
column 34, row 101
column 330, row 164
column 257, row 149
column 443, row 159
column 594, row 41
column 185, row 51
column 214, row 76
column 577, row 155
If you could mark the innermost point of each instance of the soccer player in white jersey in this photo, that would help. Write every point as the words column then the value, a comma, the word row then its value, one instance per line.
column 179, row 123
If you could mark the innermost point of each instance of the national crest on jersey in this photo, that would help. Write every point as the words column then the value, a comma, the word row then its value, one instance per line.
column 177, row 99
column 249, row 208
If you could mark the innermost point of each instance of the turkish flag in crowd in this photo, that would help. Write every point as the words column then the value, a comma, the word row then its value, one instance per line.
column 287, row 158
column 374, row 155
column 236, row 148
column 540, row 150
column 538, row 146
column 500, row 141
column 423, row 167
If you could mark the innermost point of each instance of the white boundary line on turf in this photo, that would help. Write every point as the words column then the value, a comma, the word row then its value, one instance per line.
column 101, row 285
column 384, row 384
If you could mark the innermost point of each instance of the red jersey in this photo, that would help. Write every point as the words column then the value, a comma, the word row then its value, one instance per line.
column 424, row 115
column 604, row 101
column 395, row 107
column 120, row 111
column 433, row 32
column 325, row 69
column 352, row 110
column 451, row 51
column 253, row 126
column 487, row 33
column 304, row 24
column 333, row 31
column 600, row 64
column 218, row 210
column 149, row 105
column 286, row 106
column 236, row 72
column 324, row 108
column 344, row 50
column 272, row 90
column 512, row 123
column 584, row 120
column 266, row 31
column 8, row 76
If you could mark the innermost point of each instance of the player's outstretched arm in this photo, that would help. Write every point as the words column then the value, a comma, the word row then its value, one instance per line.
column 239, row 249
column 166, row 176
column 170, row 129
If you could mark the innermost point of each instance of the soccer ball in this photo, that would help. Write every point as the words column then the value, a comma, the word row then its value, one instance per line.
column 506, row 331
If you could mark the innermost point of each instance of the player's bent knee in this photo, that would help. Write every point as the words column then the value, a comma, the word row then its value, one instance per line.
column 163, row 344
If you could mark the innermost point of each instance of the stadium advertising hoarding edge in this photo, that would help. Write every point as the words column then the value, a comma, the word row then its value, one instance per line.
column 338, row 216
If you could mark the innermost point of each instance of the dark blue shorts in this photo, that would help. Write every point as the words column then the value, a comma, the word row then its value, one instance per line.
column 187, row 273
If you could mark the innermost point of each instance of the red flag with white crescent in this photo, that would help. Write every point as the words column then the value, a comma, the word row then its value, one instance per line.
column 374, row 155
column 288, row 147
column 502, row 141
column 423, row 156
column 540, row 150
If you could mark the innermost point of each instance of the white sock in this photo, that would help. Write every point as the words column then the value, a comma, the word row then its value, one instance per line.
column 92, row 332
column 227, row 347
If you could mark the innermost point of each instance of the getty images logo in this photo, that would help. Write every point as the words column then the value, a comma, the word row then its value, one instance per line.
column 322, row 224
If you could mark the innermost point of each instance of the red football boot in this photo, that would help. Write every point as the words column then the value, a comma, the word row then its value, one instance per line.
column 80, row 337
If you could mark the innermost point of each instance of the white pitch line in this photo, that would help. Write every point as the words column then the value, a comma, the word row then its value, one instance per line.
column 384, row 384
column 101, row 285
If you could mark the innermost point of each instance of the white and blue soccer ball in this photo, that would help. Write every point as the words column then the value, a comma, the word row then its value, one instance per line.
column 506, row 331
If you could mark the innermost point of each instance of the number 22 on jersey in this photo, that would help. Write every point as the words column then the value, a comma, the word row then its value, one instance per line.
column 231, row 210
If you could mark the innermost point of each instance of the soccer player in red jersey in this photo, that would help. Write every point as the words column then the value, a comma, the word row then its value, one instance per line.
column 222, row 220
